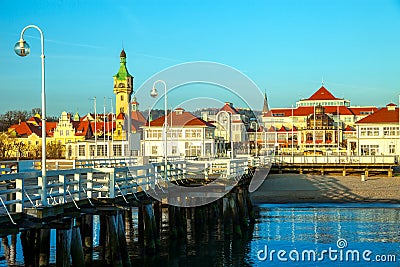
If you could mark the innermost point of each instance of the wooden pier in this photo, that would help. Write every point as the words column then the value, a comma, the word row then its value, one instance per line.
column 342, row 165
column 75, row 196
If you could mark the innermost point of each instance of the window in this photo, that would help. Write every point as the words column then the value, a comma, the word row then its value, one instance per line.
column 369, row 150
column 392, row 149
column 391, row 131
column 61, row 133
column 174, row 150
column 91, row 149
column 193, row 133
column 309, row 137
column 101, row 150
column 369, row 131
column 154, row 150
column 117, row 149
column 122, row 98
column 81, row 150
column 67, row 132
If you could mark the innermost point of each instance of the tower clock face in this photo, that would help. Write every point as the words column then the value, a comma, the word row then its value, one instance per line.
column 121, row 85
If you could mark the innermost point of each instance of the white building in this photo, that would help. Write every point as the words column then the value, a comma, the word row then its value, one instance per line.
column 378, row 133
column 187, row 136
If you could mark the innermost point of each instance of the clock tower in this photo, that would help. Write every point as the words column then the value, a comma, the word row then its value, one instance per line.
column 123, row 86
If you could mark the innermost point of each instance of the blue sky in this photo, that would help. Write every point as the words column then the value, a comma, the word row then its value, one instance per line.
column 285, row 46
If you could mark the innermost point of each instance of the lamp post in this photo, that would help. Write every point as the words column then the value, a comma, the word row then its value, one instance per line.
column 22, row 49
column 254, row 120
column 154, row 94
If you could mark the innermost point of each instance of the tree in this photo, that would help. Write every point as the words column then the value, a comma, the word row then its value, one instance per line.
column 15, row 116
column 55, row 150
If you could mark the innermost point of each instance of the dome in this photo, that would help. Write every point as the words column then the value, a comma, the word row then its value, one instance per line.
column 123, row 54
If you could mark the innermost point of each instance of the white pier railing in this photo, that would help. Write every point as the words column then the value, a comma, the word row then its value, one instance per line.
column 23, row 189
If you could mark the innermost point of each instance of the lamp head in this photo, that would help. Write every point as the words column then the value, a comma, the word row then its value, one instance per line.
column 22, row 48
column 154, row 92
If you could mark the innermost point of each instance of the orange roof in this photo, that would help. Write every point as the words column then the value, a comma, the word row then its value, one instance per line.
column 383, row 115
column 322, row 94
column 308, row 110
column 363, row 110
column 228, row 107
column 26, row 129
column 180, row 119
column 138, row 116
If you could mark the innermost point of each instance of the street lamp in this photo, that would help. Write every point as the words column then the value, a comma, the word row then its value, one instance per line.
column 22, row 49
column 154, row 94
column 254, row 120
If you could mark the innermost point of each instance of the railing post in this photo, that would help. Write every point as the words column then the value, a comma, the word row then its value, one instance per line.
column 62, row 188
column 19, row 183
column 111, row 183
column 89, row 184
column 77, row 186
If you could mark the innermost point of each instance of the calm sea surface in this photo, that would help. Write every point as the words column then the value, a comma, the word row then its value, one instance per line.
column 283, row 235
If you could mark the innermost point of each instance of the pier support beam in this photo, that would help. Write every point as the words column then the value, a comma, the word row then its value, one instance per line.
column 87, row 238
column 30, row 247
column 44, row 251
column 76, row 248
column 126, row 261
column 149, row 237
column 114, row 244
column 63, row 246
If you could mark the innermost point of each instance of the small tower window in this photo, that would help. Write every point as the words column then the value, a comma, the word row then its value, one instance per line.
column 122, row 98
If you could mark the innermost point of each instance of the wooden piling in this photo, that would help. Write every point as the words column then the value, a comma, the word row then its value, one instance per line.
column 63, row 246
column 128, row 224
column 30, row 247
column 87, row 238
column 227, row 214
column 173, row 234
column 235, row 216
column 140, row 226
column 250, row 210
column 44, row 250
column 149, row 241
column 126, row 261
column 76, row 248
column 103, row 236
column 114, row 244
column 242, row 208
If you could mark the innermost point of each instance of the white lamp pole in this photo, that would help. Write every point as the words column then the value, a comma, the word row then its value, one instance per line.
column 22, row 49
column 154, row 94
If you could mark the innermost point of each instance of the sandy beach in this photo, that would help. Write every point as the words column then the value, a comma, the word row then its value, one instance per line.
column 295, row 188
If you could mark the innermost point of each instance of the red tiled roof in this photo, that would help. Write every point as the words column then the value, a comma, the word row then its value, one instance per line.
column 283, row 129
column 229, row 108
column 50, row 126
column 138, row 116
column 26, row 129
column 322, row 94
column 180, row 119
column 382, row 115
column 349, row 129
column 358, row 110
column 391, row 105
column 308, row 110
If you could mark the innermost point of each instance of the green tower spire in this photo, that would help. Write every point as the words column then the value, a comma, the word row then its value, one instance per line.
column 123, row 71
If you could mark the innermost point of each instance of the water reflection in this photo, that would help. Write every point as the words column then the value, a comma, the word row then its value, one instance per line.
column 279, row 226
column 375, row 228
